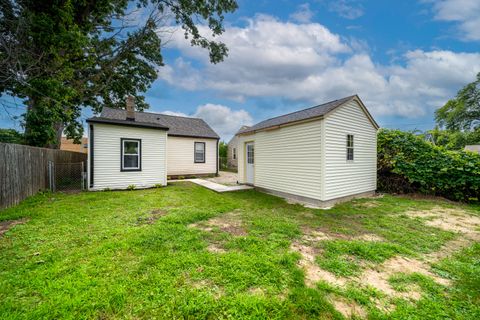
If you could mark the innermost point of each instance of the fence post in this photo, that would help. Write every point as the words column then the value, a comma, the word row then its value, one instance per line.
column 53, row 177
column 82, row 176
column 50, row 180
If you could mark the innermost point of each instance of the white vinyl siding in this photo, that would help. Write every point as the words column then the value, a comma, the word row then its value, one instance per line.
column 348, row 177
column 181, row 156
column 286, row 159
column 107, row 157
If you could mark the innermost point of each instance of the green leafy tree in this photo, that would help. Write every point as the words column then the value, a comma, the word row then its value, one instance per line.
column 11, row 136
column 462, row 112
column 408, row 163
column 452, row 140
column 61, row 56
column 222, row 149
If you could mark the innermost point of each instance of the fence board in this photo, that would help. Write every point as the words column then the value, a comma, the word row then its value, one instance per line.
column 24, row 170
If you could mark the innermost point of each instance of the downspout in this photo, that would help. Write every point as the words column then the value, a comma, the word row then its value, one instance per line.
column 91, row 153
column 218, row 141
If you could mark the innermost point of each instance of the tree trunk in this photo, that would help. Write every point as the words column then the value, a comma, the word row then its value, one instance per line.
column 59, row 131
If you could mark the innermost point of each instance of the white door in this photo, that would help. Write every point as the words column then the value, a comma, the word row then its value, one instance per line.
column 250, row 166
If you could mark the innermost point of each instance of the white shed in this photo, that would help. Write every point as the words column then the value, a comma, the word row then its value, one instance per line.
column 141, row 149
column 320, row 155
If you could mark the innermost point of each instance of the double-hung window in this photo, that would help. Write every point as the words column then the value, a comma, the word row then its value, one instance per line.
column 349, row 147
column 199, row 152
column 131, row 159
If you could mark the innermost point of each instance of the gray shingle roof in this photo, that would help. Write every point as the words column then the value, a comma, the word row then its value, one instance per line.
column 177, row 126
column 304, row 114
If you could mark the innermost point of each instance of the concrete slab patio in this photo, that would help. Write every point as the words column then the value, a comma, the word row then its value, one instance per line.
column 217, row 187
column 226, row 178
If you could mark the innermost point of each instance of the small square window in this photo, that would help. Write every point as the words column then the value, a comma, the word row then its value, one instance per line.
column 349, row 147
column 199, row 152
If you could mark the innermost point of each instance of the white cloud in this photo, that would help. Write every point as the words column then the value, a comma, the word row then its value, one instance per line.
column 348, row 9
column 303, row 14
column 308, row 63
column 222, row 119
column 465, row 12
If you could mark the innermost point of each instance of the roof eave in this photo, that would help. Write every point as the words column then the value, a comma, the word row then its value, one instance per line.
column 192, row 136
column 278, row 126
column 127, row 124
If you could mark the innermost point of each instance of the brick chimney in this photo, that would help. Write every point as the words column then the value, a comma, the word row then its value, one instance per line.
column 130, row 108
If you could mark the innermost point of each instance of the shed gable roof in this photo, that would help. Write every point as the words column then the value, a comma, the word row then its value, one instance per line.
column 177, row 126
column 305, row 114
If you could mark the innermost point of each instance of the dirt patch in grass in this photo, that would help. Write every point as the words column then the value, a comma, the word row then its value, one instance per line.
column 7, row 225
column 209, row 286
column 315, row 235
column 378, row 277
column 256, row 291
column 313, row 273
column 153, row 216
column 348, row 308
column 229, row 222
column 367, row 205
column 451, row 247
column 456, row 220
column 215, row 248
column 384, row 305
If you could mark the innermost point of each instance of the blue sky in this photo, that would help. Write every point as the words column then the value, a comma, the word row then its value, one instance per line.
column 404, row 59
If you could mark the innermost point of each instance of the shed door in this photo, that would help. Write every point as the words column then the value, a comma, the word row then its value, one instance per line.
column 250, row 165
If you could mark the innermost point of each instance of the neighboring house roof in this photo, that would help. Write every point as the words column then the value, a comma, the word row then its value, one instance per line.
column 68, row 145
column 176, row 126
column 238, row 131
column 305, row 114
column 473, row 148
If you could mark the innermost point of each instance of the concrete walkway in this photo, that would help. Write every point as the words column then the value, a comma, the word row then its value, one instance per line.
column 215, row 186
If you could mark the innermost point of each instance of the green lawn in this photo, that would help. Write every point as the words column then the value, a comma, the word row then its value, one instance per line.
column 186, row 252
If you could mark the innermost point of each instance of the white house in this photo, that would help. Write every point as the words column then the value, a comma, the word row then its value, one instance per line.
column 473, row 148
column 319, row 155
column 141, row 148
column 232, row 159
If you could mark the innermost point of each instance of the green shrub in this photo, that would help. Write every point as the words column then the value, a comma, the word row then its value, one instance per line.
column 131, row 187
column 406, row 163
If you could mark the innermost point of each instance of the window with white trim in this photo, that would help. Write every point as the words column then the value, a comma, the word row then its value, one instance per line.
column 349, row 147
column 131, row 155
column 234, row 153
column 199, row 152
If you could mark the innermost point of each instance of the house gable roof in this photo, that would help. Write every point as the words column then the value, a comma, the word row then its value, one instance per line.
column 238, row 131
column 176, row 126
column 318, row 111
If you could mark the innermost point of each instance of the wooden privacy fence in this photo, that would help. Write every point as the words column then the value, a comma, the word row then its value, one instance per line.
column 24, row 170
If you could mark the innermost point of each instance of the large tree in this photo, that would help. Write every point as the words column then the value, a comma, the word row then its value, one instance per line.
column 462, row 112
column 60, row 56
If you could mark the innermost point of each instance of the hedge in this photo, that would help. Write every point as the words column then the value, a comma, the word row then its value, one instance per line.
column 407, row 163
